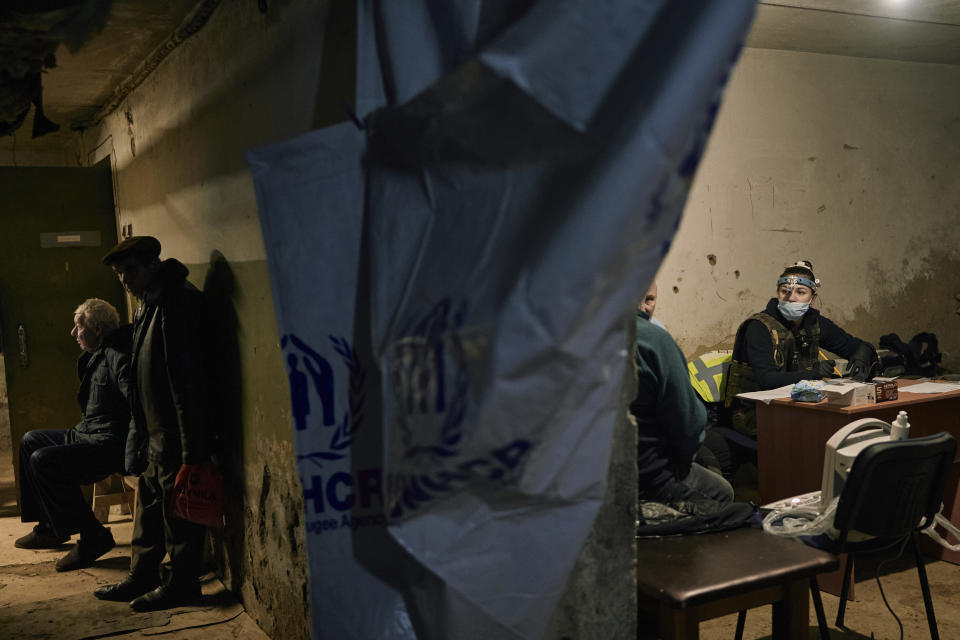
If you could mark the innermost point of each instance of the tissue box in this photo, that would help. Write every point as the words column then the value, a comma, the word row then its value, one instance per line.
column 885, row 389
column 849, row 393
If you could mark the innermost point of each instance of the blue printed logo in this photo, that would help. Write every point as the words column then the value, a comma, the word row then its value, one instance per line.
column 312, row 386
column 331, row 494
column 429, row 376
column 429, row 373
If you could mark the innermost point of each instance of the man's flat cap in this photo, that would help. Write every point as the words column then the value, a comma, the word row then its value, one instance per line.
column 144, row 247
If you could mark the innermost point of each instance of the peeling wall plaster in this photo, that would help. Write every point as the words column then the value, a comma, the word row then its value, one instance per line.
column 264, row 532
column 850, row 163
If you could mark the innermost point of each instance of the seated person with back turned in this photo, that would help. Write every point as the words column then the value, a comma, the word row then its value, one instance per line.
column 677, row 495
column 55, row 462
column 781, row 346
column 649, row 304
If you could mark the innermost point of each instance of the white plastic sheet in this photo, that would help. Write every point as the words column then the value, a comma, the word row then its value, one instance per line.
column 310, row 196
column 451, row 288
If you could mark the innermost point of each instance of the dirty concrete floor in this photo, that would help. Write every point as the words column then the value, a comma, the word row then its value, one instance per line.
column 38, row 602
column 867, row 617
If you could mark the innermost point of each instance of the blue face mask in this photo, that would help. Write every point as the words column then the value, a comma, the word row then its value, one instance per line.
column 793, row 310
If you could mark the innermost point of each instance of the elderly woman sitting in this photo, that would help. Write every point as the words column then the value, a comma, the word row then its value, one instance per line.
column 55, row 462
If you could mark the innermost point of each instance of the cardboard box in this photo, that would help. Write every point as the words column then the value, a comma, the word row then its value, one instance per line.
column 849, row 394
column 885, row 389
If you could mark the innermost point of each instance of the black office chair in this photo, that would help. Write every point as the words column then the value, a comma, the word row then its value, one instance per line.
column 893, row 491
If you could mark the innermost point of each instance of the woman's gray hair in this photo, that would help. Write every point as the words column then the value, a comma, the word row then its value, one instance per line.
column 98, row 314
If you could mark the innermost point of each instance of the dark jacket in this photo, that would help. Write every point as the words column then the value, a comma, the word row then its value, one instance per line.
column 671, row 420
column 105, row 386
column 757, row 347
column 169, row 404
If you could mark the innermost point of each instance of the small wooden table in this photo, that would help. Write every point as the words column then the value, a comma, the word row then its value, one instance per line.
column 687, row 579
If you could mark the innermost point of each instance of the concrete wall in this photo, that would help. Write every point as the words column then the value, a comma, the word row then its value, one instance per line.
column 176, row 145
column 851, row 163
column 600, row 599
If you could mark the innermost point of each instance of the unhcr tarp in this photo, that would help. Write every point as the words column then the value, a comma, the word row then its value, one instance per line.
column 452, row 283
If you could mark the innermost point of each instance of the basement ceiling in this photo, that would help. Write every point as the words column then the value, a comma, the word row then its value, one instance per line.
column 89, row 83
column 114, row 55
column 136, row 37
column 909, row 30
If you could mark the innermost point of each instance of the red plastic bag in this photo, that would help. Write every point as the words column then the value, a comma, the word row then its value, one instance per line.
column 198, row 494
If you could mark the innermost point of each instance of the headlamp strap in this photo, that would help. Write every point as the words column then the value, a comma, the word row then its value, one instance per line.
column 794, row 279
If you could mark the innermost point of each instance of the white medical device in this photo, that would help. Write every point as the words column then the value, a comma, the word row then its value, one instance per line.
column 844, row 446
column 840, row 453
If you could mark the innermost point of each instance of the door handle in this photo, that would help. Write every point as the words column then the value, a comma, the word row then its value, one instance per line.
column 22, row 345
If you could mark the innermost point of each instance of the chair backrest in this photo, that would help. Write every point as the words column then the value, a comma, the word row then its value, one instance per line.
column 895, row 487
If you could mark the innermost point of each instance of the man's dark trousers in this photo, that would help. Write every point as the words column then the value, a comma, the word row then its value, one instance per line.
column 154, row 528
column 54, row 463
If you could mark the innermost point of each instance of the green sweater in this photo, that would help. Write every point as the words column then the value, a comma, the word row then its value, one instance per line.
column 671, row 420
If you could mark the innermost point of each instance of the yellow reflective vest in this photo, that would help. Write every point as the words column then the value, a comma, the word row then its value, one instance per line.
column 708, row 374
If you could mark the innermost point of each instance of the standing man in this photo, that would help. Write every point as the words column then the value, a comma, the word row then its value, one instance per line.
column 168, row 429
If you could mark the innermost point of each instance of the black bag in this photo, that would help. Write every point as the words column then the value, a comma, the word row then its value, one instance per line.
column 919, row 357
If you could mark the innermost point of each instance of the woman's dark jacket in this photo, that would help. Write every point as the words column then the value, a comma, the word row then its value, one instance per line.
column 758, row 350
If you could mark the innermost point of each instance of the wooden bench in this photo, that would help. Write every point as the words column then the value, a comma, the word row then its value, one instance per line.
column 115, row 489
column 685, row 579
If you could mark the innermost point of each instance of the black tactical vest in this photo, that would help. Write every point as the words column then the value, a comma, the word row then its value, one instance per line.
column 793, row 350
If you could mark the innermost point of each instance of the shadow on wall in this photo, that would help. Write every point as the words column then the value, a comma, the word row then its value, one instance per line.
column 6, row 444
column 224, row 415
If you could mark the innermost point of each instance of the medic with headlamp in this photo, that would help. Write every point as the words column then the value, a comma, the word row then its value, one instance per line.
column 781, row 345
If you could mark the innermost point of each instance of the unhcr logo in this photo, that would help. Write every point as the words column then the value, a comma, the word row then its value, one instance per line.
column 429, row 379
column 430, row 374
column 313, row 394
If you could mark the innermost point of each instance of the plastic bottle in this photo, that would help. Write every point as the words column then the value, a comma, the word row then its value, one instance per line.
column 900, row 429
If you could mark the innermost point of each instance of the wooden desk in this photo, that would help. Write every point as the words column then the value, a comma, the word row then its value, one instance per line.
column 791, row 438
column 686, row 579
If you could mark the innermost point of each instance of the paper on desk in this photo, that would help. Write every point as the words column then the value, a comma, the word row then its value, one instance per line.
column 931, row 387
column 766, row 397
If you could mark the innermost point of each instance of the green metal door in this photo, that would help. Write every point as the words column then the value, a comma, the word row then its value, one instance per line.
column 55, row 224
